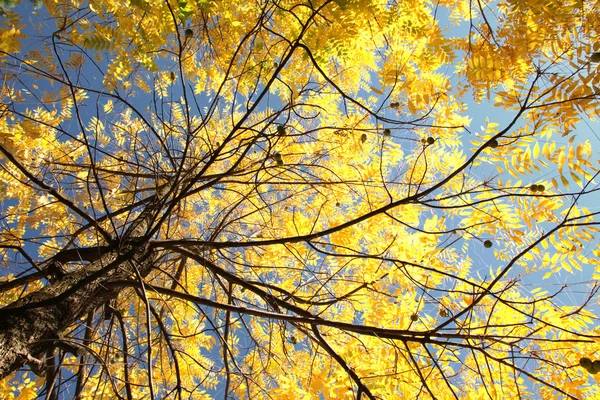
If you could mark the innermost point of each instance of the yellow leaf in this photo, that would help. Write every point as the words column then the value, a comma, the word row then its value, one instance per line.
column 562, row 158
column 380, row 92
column 536, row 150
column 580, row 150
column 577, row 179
column 571, row 154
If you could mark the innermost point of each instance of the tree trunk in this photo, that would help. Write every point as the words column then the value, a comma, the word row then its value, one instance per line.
column 32, row 325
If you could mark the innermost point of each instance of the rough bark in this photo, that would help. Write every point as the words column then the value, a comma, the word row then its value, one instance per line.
column 34, row 324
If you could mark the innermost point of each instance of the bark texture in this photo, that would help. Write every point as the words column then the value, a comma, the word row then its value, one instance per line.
column 34, row 324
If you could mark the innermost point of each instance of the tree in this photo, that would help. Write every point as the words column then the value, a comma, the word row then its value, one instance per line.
column 285, row 199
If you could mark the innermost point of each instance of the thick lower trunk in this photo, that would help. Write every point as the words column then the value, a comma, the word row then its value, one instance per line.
column 33, row 324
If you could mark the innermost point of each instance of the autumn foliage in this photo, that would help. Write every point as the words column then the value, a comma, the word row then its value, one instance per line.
column 299, row 199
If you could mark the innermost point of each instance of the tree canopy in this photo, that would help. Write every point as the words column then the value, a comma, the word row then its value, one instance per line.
column 289, row 199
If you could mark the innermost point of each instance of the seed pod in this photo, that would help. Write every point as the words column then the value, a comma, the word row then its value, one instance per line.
column 493, row 143
column 363, row 137
column 430, row 140
column 189, row 33
column 387, row 132
column 585, row 363
column 595, row 368
column 487, row 244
